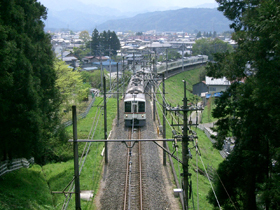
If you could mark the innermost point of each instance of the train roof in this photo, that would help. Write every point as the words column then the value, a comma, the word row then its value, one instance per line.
column 136, row 85
column 138, row 97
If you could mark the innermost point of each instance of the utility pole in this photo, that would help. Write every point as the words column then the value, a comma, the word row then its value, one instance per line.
column 166, row 61
column 154, row 89
column 118, row 106
column 105, row 121
column 76, row 160
column 163, row 119
column 185, row 145
column 123, row 75
column 185, row 149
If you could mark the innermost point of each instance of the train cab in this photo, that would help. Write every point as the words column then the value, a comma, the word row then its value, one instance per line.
column 135, row 110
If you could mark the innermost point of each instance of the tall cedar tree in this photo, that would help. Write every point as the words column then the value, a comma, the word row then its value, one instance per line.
column 94, row 42
column 28, row 99
column 249, row 110
column 106, row 40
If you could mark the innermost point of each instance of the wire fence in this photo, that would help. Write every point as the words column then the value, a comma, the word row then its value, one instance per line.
column 81, row 116
column 8, row 166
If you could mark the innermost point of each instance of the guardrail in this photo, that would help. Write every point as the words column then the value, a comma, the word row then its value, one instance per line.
column 15, row 164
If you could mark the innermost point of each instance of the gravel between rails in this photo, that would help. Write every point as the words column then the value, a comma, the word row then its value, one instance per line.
column 158, row 184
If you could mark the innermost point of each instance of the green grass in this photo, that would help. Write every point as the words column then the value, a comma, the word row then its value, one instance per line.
column 209, row 155
column 31, row 188
column 207, row 112
column 174, row 87
column 25, row 189
column 60, row 174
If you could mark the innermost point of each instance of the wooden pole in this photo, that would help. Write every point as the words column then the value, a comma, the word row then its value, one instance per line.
column 105, row 120
column 118, row 105
column 76, row 160
column 185, row 150
column 163, row 119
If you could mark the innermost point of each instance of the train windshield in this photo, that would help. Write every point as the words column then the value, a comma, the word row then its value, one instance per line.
column 127, row 106
column 141, row 106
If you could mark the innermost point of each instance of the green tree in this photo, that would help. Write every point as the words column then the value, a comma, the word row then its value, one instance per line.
column 70, row 84
column 84, row 35
column 95, row 39
column 248, row 110
column 198, row 35
column 210, row 47
column 104, row 41
column 114, row 43
column 81, row 51
column 173, row 54
column 28, row 96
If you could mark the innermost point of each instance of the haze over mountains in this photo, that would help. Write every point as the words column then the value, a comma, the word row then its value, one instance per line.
column 75, row 15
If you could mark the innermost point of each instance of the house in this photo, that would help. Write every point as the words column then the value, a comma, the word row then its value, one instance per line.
column 71, row 60
column 211, row 87
column 200, row 88
column 216, row 85
column 88, row 59
column 100, row 59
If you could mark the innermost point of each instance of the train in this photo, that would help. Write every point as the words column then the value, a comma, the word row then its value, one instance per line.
column 135, row 101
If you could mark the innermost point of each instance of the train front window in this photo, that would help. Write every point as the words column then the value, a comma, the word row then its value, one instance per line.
column 127, row 106
column 141, row 106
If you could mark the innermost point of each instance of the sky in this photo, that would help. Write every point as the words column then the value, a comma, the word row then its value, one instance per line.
column 135, row 5
column 119, row 4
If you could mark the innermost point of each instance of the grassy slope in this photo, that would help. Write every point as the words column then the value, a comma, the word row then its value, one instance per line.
column 25, row 189
column 30, row 188
column 210, row 156
column 90, row 176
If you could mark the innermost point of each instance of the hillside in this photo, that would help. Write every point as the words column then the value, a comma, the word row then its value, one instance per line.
column 187, row 20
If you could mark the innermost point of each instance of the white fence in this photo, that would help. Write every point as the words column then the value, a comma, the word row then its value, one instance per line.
column 15, row 164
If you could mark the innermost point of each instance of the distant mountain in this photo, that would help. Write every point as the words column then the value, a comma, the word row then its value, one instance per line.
column 75, row 20
column 75, row 15
column 187, row 20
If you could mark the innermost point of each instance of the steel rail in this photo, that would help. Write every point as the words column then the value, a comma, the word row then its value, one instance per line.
column 140, row 170
column 126, row 174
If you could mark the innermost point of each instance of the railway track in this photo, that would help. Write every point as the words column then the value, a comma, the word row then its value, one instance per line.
column 133, row 195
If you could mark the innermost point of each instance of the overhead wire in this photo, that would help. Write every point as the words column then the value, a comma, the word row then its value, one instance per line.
column 210, row 183
column 180, row 180
column 86, row 148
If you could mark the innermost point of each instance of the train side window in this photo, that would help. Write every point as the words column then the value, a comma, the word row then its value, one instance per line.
column 127, row 106
column 141, row 106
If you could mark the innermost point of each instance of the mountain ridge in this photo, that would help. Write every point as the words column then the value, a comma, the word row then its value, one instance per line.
column 185, row 19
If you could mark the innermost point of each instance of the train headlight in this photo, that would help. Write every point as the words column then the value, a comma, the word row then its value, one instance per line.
column 126, row 116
